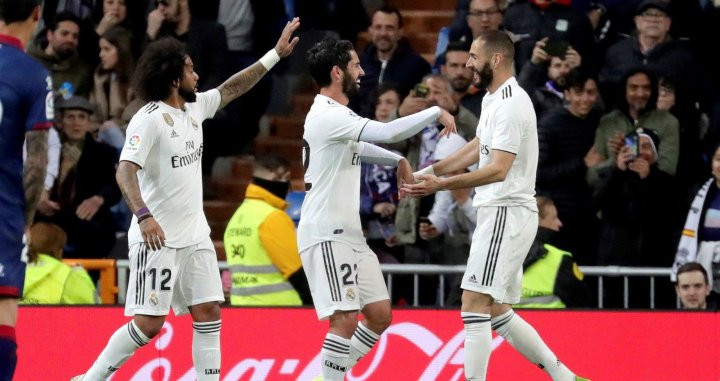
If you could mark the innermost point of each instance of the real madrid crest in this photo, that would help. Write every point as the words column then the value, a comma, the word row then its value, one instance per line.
column 350, row 294
column 168, row 119
column 153, row 299
column 194, row 123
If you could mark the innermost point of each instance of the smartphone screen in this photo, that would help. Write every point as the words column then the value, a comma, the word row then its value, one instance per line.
column 556, row 48
column 421, row 90
column 631, row 141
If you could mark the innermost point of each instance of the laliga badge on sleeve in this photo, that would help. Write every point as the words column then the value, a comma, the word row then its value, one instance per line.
column 133, row 143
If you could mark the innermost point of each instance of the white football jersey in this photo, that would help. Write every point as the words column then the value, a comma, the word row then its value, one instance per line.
column 508, row 123
column 331, row 209
column 167, row 144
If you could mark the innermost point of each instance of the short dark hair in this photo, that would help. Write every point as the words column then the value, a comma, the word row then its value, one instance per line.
column 693, row 266
column 577, row 78
column 387, row 9
column 498, row 41
column 270, row 162
column 60, row 17
column 162, row 63
column 17, row 10
column 456, row 46
column 324, row 55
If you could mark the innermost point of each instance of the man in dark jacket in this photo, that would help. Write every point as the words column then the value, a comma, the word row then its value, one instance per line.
column 389, row 58
column 85, row 188
column 565, row 138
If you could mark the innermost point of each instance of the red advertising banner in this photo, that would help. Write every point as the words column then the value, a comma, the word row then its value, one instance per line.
column 56, row 343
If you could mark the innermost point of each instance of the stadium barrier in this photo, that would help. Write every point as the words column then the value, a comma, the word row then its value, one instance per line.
column 108, row 287
column 56, row 343
column 416, row 270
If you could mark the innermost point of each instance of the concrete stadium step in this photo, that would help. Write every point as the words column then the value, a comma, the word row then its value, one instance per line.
column 290, row 149
column 231, row 190
column 287, row 126
column 220, row 249
column 446, row 5
column 426, row 21
column 301, row 103
column 241, row 168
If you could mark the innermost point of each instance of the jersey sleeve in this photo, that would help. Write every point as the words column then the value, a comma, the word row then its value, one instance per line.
column 343, row 124
column 140, row 137
column 508, row 130
column 41, row 108
column 209, row 101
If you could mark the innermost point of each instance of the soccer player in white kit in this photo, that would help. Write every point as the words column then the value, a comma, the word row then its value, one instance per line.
column 506, row 149
column 343, row 273
column 172, row 259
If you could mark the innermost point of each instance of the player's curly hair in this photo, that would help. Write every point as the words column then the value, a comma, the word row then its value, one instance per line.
column 161, row 64
column 324, row 55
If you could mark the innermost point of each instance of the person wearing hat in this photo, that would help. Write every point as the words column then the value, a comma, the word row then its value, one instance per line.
column 453, row 217
column 638, row 217
column 85, row 188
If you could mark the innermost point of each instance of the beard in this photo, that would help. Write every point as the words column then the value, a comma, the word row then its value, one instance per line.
column 64, row 51
column 460, row 85
column 486, row 76
column 188, row 95
column 350, row 86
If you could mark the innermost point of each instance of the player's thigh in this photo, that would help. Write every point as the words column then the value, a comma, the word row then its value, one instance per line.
column 151, row 283
column 198, row 279
column 369, row 277
column 330, row 268
column 500, row 244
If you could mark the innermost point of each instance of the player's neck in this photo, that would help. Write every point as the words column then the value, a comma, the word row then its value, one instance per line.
column 19, row 30
column 498, row 79
column 336, row 94
column 175, row 101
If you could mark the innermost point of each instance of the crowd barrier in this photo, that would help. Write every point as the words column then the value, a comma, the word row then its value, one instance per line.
column 56, row 343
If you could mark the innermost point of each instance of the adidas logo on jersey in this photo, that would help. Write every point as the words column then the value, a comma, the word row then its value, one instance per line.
column 472, row 279
column 174, row 134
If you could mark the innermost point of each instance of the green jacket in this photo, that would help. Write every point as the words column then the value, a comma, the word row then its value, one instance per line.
column 73, row 69
column 50, row 281
column 664, row 124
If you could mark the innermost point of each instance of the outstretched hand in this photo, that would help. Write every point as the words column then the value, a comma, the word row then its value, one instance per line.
column 404, row 175
column 447, row 120
column 428, row 184
column 285, row 45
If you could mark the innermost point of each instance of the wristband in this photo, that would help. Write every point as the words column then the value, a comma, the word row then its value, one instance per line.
column 425, row 171
column 142, row 211
column 270, row 59
column 144, row 217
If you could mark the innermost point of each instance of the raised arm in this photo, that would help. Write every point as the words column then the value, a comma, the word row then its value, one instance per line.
column 407, row 126
column 462, row 158
column 241, row 82
column 34, row 171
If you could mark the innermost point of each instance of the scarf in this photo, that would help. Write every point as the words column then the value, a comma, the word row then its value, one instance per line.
column 687, row 248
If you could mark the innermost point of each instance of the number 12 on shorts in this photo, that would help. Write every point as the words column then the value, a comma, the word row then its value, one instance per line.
column 165, row 274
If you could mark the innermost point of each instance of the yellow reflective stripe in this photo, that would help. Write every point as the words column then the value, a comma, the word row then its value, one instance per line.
column 266, row 289
column 249, row 269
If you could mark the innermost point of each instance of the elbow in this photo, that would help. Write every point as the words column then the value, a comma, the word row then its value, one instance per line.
column 500, row 173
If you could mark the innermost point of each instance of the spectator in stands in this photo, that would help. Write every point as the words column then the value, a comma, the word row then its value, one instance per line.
column 475, row 16
column 543, row 77
column 637, row 109
column 378, row 187
column 114, row 13
column 700, row 240
column 85, row 188
column 47, row 279
column 666, row 94
column 112, row 91
column 638, row 214
column 260, row 242
column 389, row 57
column 70, row 73
column 533, row 20
column 693, row 288
column 551, row 278
column 565, row 138
column 452, row 216
column 204, row 39
column 460, row 76
column 128, row 15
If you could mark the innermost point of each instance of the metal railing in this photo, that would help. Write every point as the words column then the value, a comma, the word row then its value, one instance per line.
column 442, row 271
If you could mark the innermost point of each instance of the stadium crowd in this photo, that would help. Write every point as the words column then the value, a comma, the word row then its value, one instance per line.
column 627, row 97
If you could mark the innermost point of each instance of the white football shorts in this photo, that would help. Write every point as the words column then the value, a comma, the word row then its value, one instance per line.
column 500, row 243
column 342, row 277
column 172, row 277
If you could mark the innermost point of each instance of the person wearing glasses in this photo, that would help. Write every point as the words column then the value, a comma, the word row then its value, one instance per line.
column 475, row 17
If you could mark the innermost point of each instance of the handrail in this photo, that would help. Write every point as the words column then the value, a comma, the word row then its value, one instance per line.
column 108, row 282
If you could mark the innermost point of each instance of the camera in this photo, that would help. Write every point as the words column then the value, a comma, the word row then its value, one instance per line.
column 556, row 48
column 421, row 90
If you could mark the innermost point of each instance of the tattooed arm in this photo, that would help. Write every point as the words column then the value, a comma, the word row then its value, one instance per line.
column 244, row 80
column 34, row 174
column 126, row 177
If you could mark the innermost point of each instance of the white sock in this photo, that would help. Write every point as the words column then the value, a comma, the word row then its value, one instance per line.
column 122, row 344
column 335, row 357
column 361, row 343
column 478, row 344
column 523, row 337
column 206, row 350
